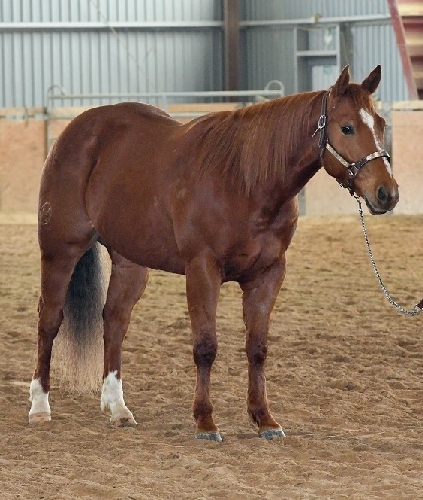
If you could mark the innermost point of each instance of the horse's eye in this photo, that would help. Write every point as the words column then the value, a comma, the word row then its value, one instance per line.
column 347, row 129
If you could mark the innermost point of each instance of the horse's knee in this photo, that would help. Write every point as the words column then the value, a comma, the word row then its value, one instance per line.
column 257, row 354
column 205, row 352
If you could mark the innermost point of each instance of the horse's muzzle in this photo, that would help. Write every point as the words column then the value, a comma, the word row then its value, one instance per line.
column 384, row 200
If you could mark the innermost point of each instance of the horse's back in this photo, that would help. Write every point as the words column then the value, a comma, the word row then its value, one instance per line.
column 123, row 111
column 95, row 128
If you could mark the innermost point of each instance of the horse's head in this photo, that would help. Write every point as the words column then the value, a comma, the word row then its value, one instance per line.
column 351, row 138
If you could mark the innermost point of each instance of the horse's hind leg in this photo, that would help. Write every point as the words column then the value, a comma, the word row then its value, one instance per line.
column 56, row 271
column 127, row 284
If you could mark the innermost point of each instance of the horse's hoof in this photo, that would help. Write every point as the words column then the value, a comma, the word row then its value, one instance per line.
column 124, row 422
column 210, row 436
column 39, row 418
column 270, row 434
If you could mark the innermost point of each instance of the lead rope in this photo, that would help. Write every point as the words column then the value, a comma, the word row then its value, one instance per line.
column 417, row 309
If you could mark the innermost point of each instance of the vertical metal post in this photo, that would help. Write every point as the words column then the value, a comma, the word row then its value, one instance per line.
column 402, row 47
column 231, row 44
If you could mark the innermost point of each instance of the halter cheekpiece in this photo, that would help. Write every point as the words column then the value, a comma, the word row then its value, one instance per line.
column 354, row 167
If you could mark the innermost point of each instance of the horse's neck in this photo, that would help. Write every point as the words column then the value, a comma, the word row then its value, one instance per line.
column 273, row 196
column 307, row 160
column 298, row 176
column 294, row 183
column 300, row 167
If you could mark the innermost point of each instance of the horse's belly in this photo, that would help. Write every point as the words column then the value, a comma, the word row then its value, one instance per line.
column 142, row 233
column 148, row 246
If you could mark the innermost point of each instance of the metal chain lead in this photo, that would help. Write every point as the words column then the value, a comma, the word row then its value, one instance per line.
column 413, row 312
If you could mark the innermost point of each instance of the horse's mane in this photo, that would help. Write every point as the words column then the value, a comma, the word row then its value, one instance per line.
column 253, row 144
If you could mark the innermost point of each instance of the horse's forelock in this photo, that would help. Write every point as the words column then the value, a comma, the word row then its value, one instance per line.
column 359, row 97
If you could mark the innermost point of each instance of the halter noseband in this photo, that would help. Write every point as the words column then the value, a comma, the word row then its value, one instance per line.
column 353, row 168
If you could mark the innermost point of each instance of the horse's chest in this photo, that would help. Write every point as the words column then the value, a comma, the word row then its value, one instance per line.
column 235, row 264
column 253, row 255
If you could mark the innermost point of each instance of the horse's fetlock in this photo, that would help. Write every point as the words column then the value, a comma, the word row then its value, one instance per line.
column 258, row 415
column 202, row 410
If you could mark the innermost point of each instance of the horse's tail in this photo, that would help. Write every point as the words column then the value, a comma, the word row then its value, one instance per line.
column 78, row 348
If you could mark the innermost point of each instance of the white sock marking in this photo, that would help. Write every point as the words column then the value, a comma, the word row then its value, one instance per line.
column 38, row 398
column 112, row 397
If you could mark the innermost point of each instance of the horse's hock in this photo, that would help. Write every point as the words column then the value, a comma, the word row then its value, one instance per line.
column 23, row 139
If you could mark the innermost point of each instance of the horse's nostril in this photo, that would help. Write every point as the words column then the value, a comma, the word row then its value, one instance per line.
column 382, row 194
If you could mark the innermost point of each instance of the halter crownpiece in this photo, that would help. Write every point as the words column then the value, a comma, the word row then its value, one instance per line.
column 321, row 125
column 353, row 167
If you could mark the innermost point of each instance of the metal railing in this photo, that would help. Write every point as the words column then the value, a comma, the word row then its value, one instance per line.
column 63, row 106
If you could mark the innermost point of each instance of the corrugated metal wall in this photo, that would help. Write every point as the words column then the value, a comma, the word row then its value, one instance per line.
column 301, row 9
column 267, row 55
column 137, row 46
column 112, row 10
column 363, row 44
column 158, row 46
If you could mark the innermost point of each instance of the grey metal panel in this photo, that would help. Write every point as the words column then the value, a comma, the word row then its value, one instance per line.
column 289, row 9
column 139, row 60
column 107, row 60
column 269, row 57
column 110, row 10
column 376, row 45
column 363, row 46
column 269, row 9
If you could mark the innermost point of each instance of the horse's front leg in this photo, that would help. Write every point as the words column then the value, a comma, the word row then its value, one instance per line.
column 259, row 297
column 203, row 280
column 127, row 283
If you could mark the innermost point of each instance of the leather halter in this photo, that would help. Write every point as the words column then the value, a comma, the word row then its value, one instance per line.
column 352, row 167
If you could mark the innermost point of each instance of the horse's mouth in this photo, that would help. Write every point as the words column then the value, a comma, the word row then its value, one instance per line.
column 372, row 209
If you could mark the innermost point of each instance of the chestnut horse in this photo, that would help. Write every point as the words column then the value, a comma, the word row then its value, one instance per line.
column 214, row 200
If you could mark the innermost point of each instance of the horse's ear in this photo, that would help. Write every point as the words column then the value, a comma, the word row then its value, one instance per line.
column 372, row 81
column 342, row 83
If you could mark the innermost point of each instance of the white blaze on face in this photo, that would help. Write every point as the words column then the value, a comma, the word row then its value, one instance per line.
column 370, row 122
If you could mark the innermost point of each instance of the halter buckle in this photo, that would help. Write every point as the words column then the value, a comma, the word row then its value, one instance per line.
column 321, row 124
column 353, row 170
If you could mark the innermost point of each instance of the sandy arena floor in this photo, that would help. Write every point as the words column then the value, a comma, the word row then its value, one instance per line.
column 345, row 380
